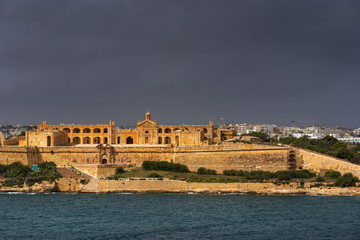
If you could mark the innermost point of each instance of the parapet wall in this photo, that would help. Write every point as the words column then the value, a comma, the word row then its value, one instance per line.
column 320, row 163
column 11, row 154
column 235, row 156
column 219, row 157
column 265, row 160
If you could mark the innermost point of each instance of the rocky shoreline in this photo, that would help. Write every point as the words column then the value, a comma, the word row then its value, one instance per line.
column 174, row 186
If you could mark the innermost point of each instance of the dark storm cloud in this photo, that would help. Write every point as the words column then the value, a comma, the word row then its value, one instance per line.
column 185, row 61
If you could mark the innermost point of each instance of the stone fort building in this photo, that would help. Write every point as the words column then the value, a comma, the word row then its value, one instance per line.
column 147, row 132
column 97, row 150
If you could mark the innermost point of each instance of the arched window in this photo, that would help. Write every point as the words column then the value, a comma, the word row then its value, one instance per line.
column 96, row 140
column 76, row 130
column 176, row 130
column 186, row 129
column 118, row 140
column 160, row 140
column 48, row 141
column 177, row 140
column 205, row 130
column 66, row 130
column 105, row 130
column 167, row 140
column 86, row 140
column 86, row 130
column 97, row 130
column 146, row 131
column 105, row 140
column 160, row 130
column 167, row 130
column 76, row 140
column 129, row 140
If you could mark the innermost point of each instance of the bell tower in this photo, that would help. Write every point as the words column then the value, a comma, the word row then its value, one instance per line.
column 148, row 116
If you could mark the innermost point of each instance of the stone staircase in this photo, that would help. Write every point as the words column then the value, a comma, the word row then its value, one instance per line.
column 292, row 160
column 91, row 187
column 77, row 171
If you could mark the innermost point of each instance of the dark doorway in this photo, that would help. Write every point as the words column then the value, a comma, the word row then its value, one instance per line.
column 129, row 140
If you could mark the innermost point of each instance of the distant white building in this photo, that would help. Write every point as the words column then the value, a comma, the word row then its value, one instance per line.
column 241, row 128
column 357, row 131
column 350, row 140
column 309, row 135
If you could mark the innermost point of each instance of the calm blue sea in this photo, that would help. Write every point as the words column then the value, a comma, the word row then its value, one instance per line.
column 175, row 216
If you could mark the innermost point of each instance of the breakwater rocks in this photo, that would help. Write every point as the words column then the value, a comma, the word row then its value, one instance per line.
column 175, row 186
column 43, row 187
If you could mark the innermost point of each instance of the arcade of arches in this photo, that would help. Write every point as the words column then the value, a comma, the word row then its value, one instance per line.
column 147, row 132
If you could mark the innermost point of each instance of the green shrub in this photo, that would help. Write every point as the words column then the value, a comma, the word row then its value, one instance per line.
column 230, row 172
column 47, row 170
column 116, row 177
column 16, row 170
column 284, row 177
column 259, row 175
column 320, row 179
column 296, row 174
column 119, row 170
column 2, row 168
column 240, row 173
column 165, row 166
column 233, row 173
column 347, row 180
column 211, row 172
column 154, row 175
column 11, row 182
column 302, row 174
column 332, row 174
column 201, row 171
column 204, row 171
column 317, row 185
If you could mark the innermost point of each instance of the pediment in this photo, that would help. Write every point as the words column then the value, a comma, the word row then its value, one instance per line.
column 147, row 123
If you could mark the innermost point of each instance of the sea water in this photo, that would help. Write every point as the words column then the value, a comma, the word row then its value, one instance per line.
column 178, row 216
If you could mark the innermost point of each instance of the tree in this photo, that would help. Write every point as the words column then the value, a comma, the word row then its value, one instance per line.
column 347, row 180
column 303, row 142
column 16, row 170
column 332, row 174
column 201, row 171
column 119, row 170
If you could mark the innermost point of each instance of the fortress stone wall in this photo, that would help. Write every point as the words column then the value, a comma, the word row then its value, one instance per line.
column 237, row 156
column 320, row 163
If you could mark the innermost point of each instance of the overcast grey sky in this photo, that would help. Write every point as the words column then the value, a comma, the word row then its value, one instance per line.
column 188, row 61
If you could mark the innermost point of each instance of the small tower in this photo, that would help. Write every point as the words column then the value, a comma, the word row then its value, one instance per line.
column 148, row 116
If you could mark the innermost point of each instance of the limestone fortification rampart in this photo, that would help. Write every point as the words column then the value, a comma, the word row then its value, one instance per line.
column 237, row 156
